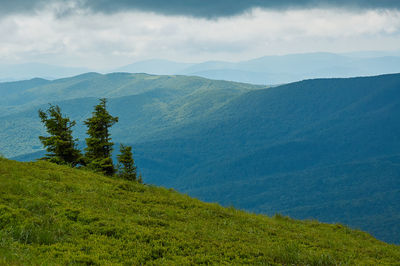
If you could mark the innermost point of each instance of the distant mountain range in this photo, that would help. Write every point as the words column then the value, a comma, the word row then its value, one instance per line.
column 326, row 149
column 15, row 72
column 278, row 69
column 268, row 70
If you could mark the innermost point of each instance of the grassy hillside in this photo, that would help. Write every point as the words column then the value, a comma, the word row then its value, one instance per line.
column 52, row 214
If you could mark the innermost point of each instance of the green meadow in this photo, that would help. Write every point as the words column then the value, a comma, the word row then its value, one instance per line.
column 56, row 215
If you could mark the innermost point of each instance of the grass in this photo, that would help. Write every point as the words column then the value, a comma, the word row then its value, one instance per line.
column 52, row 215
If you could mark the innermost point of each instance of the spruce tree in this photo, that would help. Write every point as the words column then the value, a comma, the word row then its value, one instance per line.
column 126, row 164
column 60, row 145
column 99, row 145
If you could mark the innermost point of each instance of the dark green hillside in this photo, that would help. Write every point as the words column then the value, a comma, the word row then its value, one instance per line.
column 12, row 88
column 51, row 214
column 9, row 91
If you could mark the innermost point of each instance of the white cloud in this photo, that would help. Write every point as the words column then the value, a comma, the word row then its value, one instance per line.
column 104, row 41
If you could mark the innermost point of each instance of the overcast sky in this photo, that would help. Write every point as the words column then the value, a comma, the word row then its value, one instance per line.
column 103, row 34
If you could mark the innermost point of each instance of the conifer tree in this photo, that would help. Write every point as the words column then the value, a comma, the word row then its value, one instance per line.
column 99, row 145
column 60, row 145
column 126, row 164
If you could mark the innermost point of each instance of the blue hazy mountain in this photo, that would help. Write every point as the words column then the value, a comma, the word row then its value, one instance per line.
column 371, row 54
column 270, row 70
column 326, row 149
column 155, row 66
column 14, row 72
column 279, row 69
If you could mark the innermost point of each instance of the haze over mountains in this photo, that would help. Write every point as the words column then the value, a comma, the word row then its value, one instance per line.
column 278, row 69
column 264, row 70
column 326, row 149
column 15, row 72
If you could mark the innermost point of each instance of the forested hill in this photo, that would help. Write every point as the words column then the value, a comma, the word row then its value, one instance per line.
column 327, row 149
column 145, row 103
column 55, row 215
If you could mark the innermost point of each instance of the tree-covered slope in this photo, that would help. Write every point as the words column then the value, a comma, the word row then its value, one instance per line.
column 38, row 91
column 52, row 214
column 145, row 104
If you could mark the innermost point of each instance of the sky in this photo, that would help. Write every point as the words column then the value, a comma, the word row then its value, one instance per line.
column 100, row 34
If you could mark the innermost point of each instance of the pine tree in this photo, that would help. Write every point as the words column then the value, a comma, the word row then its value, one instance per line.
column 126, row 164
column 99, row 145
column 60, row 145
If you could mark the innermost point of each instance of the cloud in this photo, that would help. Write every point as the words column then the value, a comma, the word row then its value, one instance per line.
column 221, row 8
column 193, row 8
column 33, row 7
column 18, row 6
column 99, row 40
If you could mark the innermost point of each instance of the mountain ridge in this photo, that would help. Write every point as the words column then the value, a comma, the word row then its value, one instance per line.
column 266, row 70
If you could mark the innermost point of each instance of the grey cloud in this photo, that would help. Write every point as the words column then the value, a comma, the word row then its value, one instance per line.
column 218, row 8
column 195, row 8
column 18, row 6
